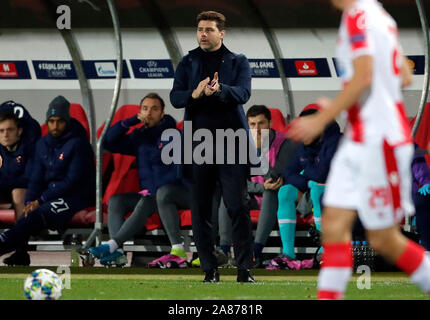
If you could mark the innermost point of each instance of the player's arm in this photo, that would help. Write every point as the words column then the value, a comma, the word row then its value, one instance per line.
column 360, row 82
column 307, row 128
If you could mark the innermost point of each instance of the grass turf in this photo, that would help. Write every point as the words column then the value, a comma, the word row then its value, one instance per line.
column 186, row 284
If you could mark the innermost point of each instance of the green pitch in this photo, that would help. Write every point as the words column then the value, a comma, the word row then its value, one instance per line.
column 186, row 284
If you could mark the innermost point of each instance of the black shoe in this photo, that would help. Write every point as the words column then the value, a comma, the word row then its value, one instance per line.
column 245, row 276
column 211, row 276
column 18, row 258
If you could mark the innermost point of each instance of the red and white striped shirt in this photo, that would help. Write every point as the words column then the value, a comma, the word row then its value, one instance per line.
column 367, row 29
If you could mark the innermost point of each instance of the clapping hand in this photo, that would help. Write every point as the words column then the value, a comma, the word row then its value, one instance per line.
column 213, row 87
column 200, row 90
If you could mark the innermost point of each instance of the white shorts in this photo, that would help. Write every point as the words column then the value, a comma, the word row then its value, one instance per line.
column 375, row 180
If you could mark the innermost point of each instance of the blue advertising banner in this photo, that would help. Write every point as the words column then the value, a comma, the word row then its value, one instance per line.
column 152, row 69
column 417, row 63
column 49, row 69
column 263, row 68
column 103, row 69
column 338, row 68
column 14, row 70
column 306, row 68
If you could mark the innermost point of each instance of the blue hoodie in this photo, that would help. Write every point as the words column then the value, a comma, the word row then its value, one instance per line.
column 146, row 145
column 63, row 166
column 314, row 160
column 16, row 165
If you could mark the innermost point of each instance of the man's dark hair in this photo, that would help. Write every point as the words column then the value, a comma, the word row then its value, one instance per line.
column 10, row 116
column 219, row 18
column 258, row 109
column 153, row 95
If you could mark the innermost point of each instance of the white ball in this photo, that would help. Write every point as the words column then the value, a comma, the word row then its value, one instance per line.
column 43, row 284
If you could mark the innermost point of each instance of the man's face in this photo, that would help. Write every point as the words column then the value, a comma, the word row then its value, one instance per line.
column 56, row 126
column 9, row 133
column 258, row 123
column 209, row 36
column 152, row 111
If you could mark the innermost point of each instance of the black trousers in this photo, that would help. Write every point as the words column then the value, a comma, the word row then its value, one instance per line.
column 232, row 180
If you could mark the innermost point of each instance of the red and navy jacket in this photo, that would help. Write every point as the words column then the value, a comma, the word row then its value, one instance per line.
column 63, row 166
column 145, row 144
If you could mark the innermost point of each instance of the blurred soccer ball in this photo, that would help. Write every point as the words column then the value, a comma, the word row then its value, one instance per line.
column 43, row 284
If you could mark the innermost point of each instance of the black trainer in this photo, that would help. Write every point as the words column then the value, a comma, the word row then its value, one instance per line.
column 18, row 258
column 212, row 276
column 245, row 276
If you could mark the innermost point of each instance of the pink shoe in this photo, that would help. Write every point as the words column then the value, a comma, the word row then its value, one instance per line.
column 292, row 264
column 168, row 261
column 307, row 264
column 283, row 262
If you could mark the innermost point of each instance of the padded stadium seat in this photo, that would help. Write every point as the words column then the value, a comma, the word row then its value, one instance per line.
column 278, row 120
column 7, row 217
column 76, row 112
column 180, row 125
column 124, row 177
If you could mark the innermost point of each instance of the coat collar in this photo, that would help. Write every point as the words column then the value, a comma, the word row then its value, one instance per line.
column 227, row 53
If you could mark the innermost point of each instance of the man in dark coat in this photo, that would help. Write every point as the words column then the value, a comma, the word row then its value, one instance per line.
column 19, row 133
column 212, row 84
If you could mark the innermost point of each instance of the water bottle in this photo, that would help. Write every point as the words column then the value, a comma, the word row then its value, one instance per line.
column 356, row 254
column 365, row 253
column 360, row 253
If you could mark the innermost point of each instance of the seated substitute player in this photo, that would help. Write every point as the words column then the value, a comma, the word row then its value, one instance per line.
column 306, row 173
column 19, row 133
column 161, row 191
column 421, row 196
column 263, row 190
column 62, row 181
column 370, row 172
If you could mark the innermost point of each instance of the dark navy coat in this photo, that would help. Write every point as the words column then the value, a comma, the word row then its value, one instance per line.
column 16, row 165
column 314, row 160
column 146, row 145
column 234, row 77
column 63, row 166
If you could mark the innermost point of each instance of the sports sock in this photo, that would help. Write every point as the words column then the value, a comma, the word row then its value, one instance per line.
column 178, row 246
column 335, row 271
column 287, row 218
column 316, row 193
column 416, row 264
column 112, row 245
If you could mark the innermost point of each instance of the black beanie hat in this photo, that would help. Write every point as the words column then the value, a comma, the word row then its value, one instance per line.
column 59, row 107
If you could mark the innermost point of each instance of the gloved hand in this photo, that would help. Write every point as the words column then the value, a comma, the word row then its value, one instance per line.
column 312, row 184
column 130, row 121
column 425, row 190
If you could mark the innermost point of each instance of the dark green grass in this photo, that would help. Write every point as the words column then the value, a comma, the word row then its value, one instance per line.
column 143, row 284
